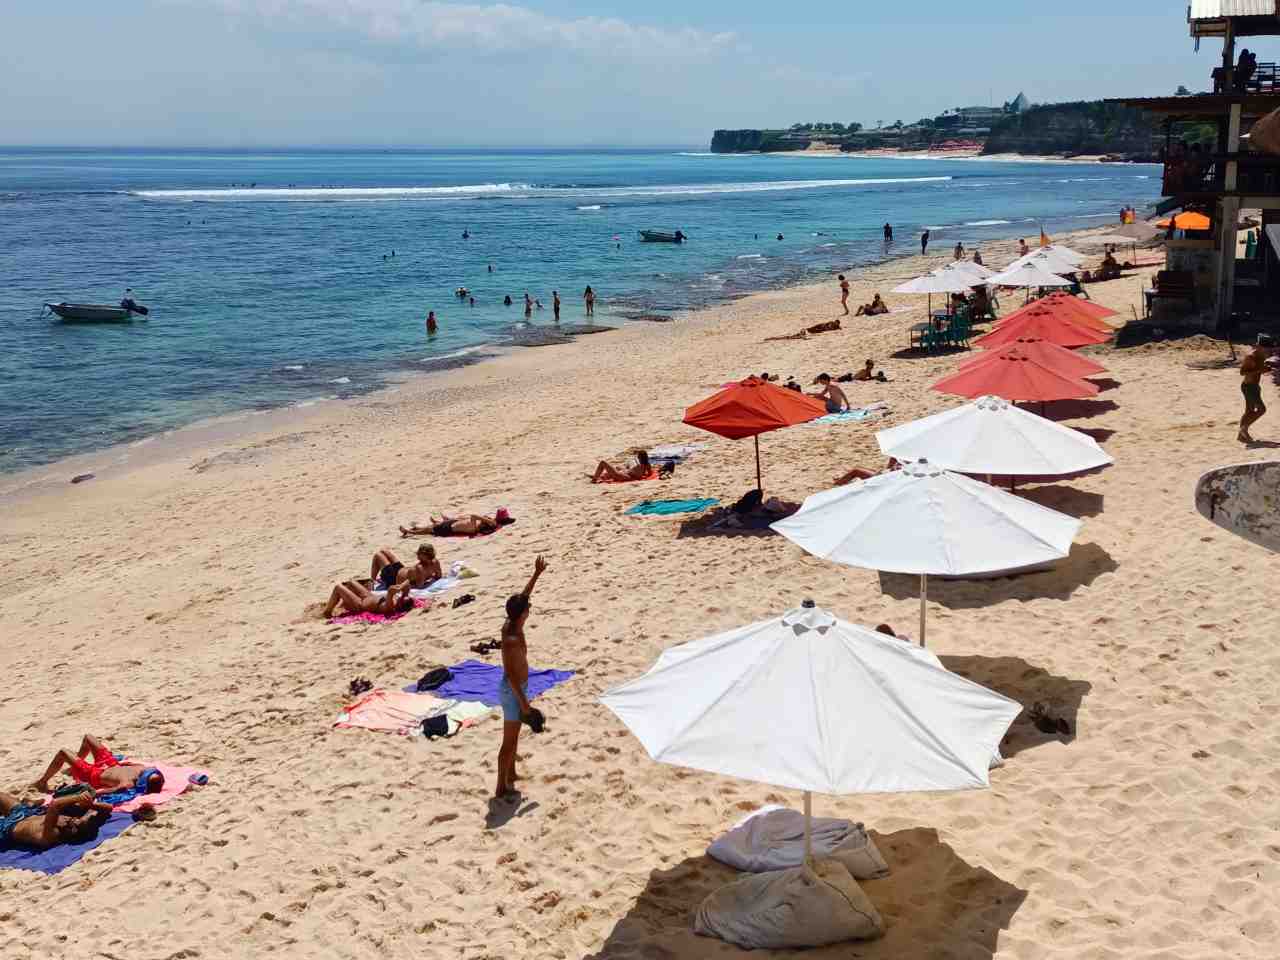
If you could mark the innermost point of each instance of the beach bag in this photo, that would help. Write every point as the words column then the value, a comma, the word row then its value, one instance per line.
column 433, row 679
column 801, row 907
column 772, row 838
column 433, row 727
column 1265, row 135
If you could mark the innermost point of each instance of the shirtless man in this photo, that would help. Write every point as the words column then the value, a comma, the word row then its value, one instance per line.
column 514, row 689
column 74, row 818
column 1251, row 369
column 355, row 597
column 471, row 525
column 844, row 294
column 105, row 774
column 868, row 373
column 388, row 571
column 829, row 327
column 835, row 399
column 874, row 308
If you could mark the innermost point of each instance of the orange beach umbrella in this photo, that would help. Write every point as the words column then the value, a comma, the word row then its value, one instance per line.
column 1015, row 375
column 1069, row 307
column 1043, row 325
column 1057, row 358
column 750, row 408
column 1185, row 221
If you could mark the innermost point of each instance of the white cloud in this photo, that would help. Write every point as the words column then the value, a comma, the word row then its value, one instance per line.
column 487, row 28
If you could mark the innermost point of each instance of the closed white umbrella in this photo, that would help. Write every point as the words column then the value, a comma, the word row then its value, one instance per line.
column 922, row 520
column 991, row 435
column 1028, row 275
column 809, row 702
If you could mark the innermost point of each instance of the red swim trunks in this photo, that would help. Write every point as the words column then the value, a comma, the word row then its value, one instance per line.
column 91, row 773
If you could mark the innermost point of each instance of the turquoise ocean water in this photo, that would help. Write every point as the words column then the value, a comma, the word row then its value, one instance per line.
column 271, row 281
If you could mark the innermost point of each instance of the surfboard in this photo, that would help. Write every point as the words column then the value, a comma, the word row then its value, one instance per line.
column 1244, row 499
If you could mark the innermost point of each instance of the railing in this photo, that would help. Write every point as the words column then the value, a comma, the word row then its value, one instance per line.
column 1264, row 79
column 1205, row 173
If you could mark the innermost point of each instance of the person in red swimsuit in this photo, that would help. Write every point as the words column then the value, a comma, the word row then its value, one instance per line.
column 105, row 774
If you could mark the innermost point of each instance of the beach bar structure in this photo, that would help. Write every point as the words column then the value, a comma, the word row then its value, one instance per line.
column 1206, row 283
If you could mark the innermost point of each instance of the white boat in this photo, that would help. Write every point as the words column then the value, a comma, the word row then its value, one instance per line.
column 93, row 312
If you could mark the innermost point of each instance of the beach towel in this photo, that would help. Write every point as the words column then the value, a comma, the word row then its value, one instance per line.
column 651, row 475
column 856, row 414
column 458, row 572
column 390, row 711
column 476, row 680
column 663, row 508
column 58, row 858
column 772, row 838
column 458, row 713
column 674, row 453
column 177, row 781
column 378, row 617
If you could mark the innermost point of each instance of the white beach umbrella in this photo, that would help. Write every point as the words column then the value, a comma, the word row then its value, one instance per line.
column 938, row 281
column 1028, row 275
column 991, row 435
column 968, row 268
column 1048, row 259
column 809, row 702
column 1063, row 251
column 922, row 520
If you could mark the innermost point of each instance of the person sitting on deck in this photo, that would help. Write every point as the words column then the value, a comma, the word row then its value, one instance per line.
column 74, row 818
column 105, row 774
column 874, row 308
column 834, row 397
column 473, row 524
column 607, row 471
column 354, row 597
column 829, row 327
column 858, row 473
column 388, row 571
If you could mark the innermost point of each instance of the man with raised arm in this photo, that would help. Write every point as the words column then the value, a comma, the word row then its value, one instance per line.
column 513, row 692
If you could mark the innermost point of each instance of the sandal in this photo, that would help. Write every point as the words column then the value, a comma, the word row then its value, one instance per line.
column 463, row 600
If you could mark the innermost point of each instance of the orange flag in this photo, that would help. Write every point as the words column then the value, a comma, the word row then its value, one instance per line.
column 1044, row 238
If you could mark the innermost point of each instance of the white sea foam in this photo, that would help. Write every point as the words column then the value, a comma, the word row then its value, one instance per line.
column 592, row 206
column 987, row 223
column 295, row 367
column 751, row 256
column 333, row 193
column 465, row 351
column 340, row 380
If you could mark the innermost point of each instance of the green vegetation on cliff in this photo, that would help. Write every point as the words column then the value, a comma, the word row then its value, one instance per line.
column 1083, row 127
column 751, row 141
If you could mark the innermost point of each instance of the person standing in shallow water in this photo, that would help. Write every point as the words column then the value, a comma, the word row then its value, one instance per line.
column 924, row 243
column 555, row 304
column 888, row 233
column 589, row 299
column 431, row 323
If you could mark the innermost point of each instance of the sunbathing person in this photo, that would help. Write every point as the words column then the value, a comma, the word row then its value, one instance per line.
column 858, row 473
column 75, row 818
column 388, row 571
column 607, row 471
column 471, row 525
column 832, row 395
column 875, row 307
column 867, row 373
column 105, row 774
column 353, row 597
column 829, row 327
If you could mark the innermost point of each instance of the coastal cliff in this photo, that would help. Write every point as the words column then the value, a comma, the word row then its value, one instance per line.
column 755, row 141
column 1082, row 128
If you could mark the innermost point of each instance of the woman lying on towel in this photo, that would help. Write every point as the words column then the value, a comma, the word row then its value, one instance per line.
column 355, row 597
column 388, row 571
column 607, row 472
column 105, row 774
column 471, row 525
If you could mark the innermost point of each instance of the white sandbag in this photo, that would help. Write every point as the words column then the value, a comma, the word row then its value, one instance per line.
column 800, row 907
column 772, row 838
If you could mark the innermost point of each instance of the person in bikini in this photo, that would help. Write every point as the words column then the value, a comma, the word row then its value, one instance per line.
column 74, row 818
column 105, row 774
column 470, row 525
column 387, row 570
column 858, row 473
column 354, row 597
column 844, row 295
column 513, row 691
column 1251, row 369
column 607, row 471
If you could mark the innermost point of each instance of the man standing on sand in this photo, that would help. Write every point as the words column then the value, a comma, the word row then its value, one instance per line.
column 844, row 294
column 1252, row 369
column 555, row 304
column 513, row 692
column 924, row 243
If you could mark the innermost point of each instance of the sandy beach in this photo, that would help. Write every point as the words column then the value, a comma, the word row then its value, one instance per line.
column 169, row 604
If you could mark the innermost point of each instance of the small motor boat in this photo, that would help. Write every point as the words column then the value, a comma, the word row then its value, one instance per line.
column 659, row 236
column 98, row 312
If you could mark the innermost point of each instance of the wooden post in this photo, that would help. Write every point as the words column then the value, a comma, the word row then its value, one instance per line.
column 1229, row 211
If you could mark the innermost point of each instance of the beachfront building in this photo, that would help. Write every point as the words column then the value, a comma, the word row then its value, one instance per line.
column 1211, row 168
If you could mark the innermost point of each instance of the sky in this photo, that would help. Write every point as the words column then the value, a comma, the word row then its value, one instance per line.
column 546, row 73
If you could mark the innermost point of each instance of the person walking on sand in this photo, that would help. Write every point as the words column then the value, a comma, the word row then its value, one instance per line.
column 924, row 243
column 1251, row 369
column 555, row 304
column 589, row 298
column 431, row 323
column 959, row 251
column 513, row 691
column 844, row 294
column 1023, row 249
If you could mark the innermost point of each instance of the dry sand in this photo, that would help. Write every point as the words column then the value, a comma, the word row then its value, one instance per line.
column 162, row 607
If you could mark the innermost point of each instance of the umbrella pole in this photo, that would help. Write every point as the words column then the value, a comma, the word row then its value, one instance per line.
column 759, row 484
column 924, row 597
column 808, row 831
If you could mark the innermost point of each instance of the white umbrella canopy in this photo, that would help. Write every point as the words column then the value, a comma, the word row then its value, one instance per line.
column 992, row 435
column 924, row 520
column 939, row 281
column 1048, row 259
column 1028, row 275
column 809, row 702
column 981, row 271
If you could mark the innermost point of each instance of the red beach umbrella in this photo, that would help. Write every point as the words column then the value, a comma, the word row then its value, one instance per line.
column 1069, row 308
column 1050, row 354
column 750, row 408
column 1043, row 325
column 1015, row 376
column 1084, row 307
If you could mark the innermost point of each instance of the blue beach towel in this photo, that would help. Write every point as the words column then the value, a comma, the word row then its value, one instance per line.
column 476, row 680
column 662, row 508
column 58, row 858
column 856, row 414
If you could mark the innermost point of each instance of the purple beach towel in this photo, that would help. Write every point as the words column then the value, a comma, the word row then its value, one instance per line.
column 57, row 859
column 477, row 680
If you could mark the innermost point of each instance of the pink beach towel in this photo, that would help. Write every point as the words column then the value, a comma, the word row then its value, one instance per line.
column 378, row 617
column 177, row 781
column 392, row 711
